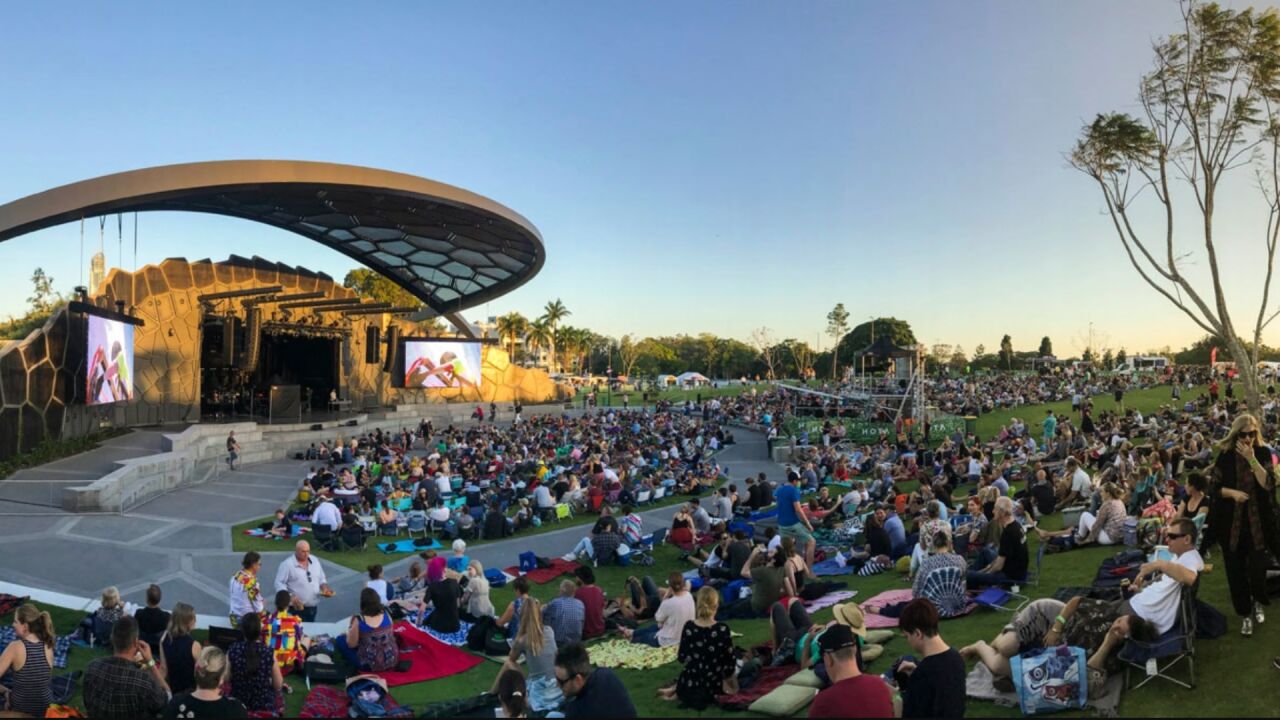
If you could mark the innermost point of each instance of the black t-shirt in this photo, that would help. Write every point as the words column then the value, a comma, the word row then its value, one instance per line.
column 231, row 444
column 936, row 688
column 444, row 595
column 738, row 552
column 185, row 706
column 1013, row 548
column 152, row 621
column 878, row 542
column 1044, row 499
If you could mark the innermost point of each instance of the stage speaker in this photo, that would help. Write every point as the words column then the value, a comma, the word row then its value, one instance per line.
column 372, row 345
column 393, row 342
column 317, row 426
column 228, row 358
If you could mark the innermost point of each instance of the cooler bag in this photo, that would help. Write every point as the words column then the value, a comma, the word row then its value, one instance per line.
column 1051, row 679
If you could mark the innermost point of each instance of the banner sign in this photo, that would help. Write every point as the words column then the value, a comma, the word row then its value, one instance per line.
column 868, row 431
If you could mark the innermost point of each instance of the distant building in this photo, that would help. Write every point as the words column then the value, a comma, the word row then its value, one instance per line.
column 97, row 271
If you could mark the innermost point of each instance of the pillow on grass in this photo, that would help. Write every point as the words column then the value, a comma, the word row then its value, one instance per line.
column 878, row 637
column 871, row 652
column 784, row 701
column 804, row 678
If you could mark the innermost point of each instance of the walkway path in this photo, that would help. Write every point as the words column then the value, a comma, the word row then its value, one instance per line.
column 181, row 541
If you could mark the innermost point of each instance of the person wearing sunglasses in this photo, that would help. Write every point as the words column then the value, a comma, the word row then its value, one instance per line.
column 1243, row 517
column 597, row 693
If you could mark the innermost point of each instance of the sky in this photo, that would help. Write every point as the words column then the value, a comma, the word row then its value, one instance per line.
column 715, row 166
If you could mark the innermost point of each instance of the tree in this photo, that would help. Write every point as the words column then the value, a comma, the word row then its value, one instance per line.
column 43, row 299
column 1046, row 346
column 1210, row 104
column 379, row 288
column 837, row 326
column 655, row 357
column 1087, row 356
column 1006, row 352
column 801, row 354
column 512, row 327
column 627, row 354
column 979, row 351
column 540, row 336
column 1107, row 361
column 1121, row 356
column 552, row 314
column 958, row 361
column 762, row 341
column 898, row 331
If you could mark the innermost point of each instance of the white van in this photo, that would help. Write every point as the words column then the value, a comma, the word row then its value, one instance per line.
column 1146, row 363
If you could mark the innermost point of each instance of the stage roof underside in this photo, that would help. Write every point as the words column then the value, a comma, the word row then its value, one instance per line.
column 450, row 248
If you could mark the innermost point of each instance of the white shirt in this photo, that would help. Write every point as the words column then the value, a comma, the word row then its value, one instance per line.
column 240, row 604
column 1158, row 602
column 672, row 614
column 442, row 485
column 542, row 497
column 1081, row 484
column 327, row 514
column 975, row 467
column 774, row 544
column 301, row 582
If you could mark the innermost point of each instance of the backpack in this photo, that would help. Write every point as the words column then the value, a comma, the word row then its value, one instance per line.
column 368, row 695
column 528, row 561
column 479, row 633
column 496, row 577
column 378, row 650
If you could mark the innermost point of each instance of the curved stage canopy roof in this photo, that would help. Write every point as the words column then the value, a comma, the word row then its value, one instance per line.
column 450, row 248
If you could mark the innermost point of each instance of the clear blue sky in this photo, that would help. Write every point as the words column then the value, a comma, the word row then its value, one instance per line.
column 691, row 166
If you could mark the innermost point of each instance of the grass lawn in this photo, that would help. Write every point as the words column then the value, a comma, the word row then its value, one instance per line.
column 1145, row 401
column 360, row 560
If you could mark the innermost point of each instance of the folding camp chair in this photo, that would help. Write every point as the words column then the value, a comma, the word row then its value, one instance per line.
column 642, row 497
column 324, row 536
column 563, row 512
column 1157, row 658
column 416, row 524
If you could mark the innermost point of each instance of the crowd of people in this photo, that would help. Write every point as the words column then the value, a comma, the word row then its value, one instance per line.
column 1185, row 477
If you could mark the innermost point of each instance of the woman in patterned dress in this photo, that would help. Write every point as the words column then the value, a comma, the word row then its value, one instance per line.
column 706, row 649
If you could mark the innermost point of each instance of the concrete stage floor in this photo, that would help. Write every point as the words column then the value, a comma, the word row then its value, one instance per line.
column 182, row 541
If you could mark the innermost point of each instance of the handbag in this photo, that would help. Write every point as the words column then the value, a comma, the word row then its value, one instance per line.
column 1051, row 679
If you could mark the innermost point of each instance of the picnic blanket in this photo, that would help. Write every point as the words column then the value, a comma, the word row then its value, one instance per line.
column 766, row 682
column 979, row 685
column 296, row 530
column 831, row 567
column 331, row 702
column 455, row 639
column 888, row 597
column 9, row 603
column 558, row 567
column 632, row 656
column 61, row 646
column 831, row 598
column 408, row 546
column 429, row 658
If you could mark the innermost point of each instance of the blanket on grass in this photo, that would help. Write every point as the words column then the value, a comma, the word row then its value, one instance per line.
column 831, row 598
column 9, row 603
column 429, row 658
column 891, row 597
column 766, row 682
column 558, row 567
column 297, row 531
column 455, row 639
column 408, row 546
column 631, row 656
column 831, row 567
column 332, row 702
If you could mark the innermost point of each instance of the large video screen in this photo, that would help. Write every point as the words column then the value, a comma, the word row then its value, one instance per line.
column 110, row 368
column 441, row 364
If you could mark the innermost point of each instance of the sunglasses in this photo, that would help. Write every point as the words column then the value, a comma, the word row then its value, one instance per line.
column 1174, row 536
column 563, row 682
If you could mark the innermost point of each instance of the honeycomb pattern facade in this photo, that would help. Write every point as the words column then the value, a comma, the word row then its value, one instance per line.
column 36, row 374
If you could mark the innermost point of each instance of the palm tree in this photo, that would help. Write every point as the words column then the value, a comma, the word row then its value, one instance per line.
column 539, row 335
column 552, row 314
column 512, row 327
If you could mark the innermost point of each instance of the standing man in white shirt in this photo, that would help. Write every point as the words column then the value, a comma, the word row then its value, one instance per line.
column 303, row 578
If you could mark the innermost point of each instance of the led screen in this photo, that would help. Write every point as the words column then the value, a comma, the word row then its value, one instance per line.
column 441, row 364
column 110, row 356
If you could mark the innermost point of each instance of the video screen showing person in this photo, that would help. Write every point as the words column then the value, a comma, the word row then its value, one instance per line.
column 441, row 364
column 110, row 375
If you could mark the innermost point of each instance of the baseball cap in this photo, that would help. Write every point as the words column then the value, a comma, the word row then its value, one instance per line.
column 836, row 637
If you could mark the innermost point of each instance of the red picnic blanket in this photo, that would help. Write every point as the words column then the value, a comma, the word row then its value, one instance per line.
column 332, row 702
column 429, row 658
column 768, row 681
column 558, row 567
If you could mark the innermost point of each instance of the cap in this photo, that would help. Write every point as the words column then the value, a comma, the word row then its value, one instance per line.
column 836, row 637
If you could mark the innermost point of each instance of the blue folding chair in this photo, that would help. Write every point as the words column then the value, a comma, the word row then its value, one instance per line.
column 997, row 598
column 1157, row 658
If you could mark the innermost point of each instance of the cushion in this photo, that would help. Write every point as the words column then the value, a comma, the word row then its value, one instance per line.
column 871, row 652
column 904, row 564
column 878, row 637
column 804, row 678
column 784, row 701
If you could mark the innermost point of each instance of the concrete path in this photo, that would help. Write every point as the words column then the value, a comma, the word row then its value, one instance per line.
column 181, row 541
column 38, row 490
